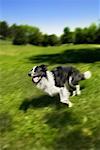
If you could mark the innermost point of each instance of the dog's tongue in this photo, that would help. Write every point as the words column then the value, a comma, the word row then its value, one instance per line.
column 36, row 79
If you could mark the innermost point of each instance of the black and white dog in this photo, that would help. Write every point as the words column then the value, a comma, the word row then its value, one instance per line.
column 60, row 81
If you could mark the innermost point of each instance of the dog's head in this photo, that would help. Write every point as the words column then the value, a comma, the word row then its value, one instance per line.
column 37, row 73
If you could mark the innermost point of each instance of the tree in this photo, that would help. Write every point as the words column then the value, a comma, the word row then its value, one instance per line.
column 3, row 29
column 53, row 40
column 97, row 39
column 85, row 35
column 91, row 33
column 20, row 37
column 36, row 38
column 23, row 34
column 78, row 36
column 13, row 31
column 45, row 41
column 67, row 36
column 29, row 29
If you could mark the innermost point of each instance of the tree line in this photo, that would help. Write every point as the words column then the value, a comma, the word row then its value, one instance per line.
column 25, row 34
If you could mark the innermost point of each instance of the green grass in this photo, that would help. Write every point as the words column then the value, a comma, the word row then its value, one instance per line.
column 30, row 119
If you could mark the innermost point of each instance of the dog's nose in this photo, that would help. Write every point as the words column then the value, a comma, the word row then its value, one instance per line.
column 29, row 74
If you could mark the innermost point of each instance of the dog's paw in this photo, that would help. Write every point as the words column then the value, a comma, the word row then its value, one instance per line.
column 70, row 104
column 74, row 93
column 78, row 92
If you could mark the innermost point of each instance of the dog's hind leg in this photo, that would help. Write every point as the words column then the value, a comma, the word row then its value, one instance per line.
column 74, row 93
column 64, row 96
column 78, row 92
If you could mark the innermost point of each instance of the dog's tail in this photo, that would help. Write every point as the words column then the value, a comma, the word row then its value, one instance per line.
column 87, row 75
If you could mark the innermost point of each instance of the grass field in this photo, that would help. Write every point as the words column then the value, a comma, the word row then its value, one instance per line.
column 30, row 119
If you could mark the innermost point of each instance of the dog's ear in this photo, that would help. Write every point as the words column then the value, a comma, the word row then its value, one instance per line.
column 44, row 67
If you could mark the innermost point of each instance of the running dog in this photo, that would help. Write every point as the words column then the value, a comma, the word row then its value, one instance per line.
column 61, row 80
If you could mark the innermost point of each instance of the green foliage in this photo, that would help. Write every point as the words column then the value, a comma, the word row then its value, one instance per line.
column 34, row 36
column 3, row 29
column 78, row 36
column 53, row 40
column 29, row 29
column 13, row 31
column 45, row 41
column 97, row 37
column 91, row 34
column 67, row 36
column 86, row 35
column 20, row 37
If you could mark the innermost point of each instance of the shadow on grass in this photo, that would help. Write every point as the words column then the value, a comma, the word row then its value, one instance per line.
column 59, row 118
column 77, row 139
column 40, row 102
column 73, row 140
column 5, row 122
column 72, row 133
column 69, row 56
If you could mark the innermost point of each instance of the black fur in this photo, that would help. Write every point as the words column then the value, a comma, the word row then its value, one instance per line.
column 40, row 71
column 62, row 74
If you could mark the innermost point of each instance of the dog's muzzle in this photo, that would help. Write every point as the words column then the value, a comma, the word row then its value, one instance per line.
column 35, row 79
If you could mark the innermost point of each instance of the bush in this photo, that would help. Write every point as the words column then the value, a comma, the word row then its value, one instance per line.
column 67, row 36
column 3, row 29
column 20, row 37
column 45, row 40
column 53, row 40
column 36, row 38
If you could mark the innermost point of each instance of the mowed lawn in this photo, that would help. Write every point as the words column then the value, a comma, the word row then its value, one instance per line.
column 30, row 119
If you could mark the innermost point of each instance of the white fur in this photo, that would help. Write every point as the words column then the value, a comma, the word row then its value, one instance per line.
column 87, row 74
column 77, row 91
column 48, row 86
column 32, row 72
column 70, row 82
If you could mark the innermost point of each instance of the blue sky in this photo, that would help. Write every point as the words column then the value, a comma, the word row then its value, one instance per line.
column 51, row 16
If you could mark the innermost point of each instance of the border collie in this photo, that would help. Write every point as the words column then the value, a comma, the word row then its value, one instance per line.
column 60, row 80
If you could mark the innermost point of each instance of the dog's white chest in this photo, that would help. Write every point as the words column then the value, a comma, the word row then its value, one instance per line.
column 48, row 85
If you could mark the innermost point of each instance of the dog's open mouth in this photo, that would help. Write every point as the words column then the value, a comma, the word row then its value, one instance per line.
column 36, row 79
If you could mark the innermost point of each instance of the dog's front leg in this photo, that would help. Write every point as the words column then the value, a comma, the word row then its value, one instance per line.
column 64, row 96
